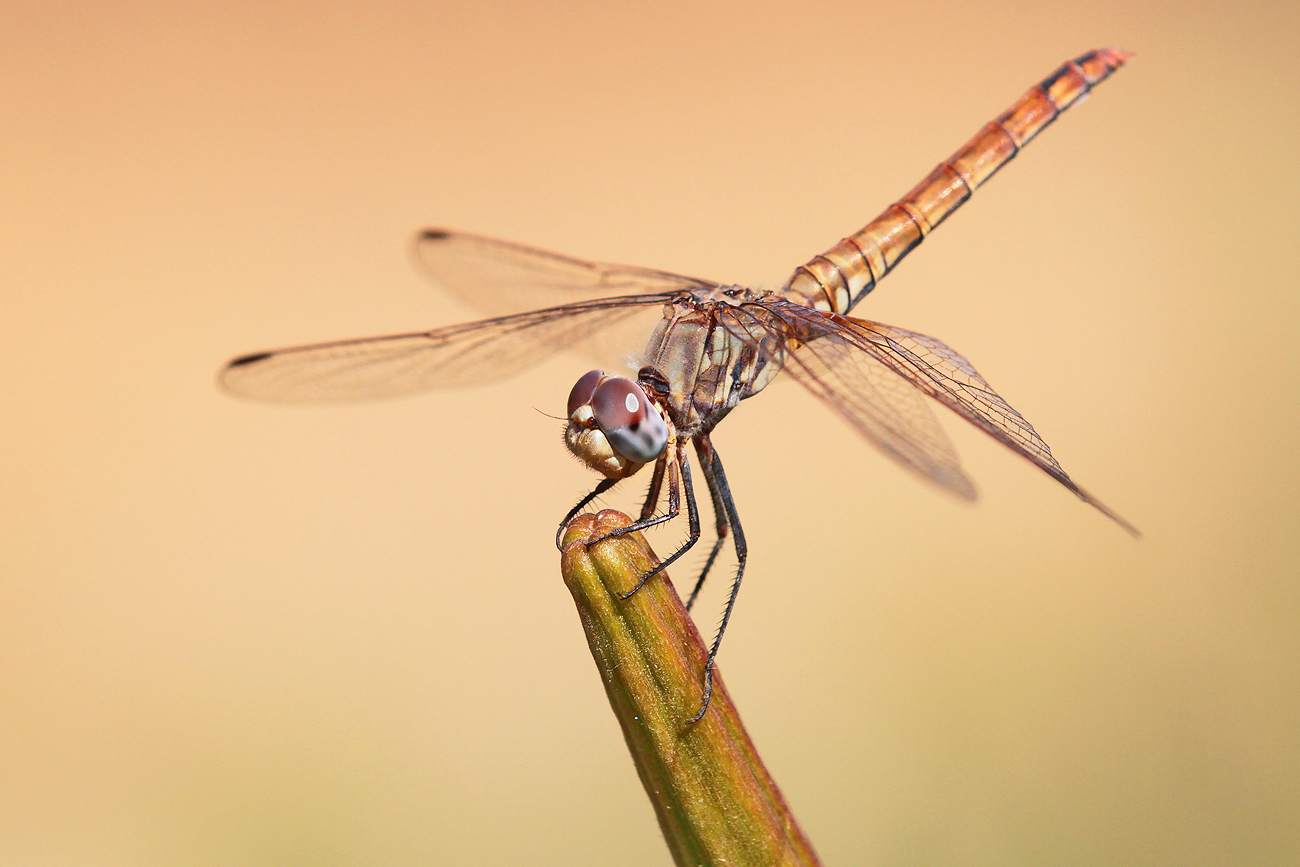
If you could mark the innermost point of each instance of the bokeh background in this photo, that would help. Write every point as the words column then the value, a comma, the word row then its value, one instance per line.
column 267, row 635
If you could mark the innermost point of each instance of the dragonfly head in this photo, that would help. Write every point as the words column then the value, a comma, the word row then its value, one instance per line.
column 613, row 427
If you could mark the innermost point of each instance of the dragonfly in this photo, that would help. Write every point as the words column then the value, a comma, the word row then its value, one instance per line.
column 710, row 346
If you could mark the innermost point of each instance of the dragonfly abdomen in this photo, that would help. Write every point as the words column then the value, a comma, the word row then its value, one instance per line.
column 839, row 278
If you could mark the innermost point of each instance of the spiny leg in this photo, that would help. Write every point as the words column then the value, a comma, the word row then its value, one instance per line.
column 652, row 493
column 673, row 458
column 712, row 469
column 605, row 485
column 651, row 500
column 680, row 468
column 720, row 522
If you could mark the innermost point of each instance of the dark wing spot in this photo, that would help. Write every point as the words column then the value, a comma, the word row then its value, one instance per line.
column 251, row 358
column 435, row 234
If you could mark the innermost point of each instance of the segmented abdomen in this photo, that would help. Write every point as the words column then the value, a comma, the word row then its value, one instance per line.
column 839, row 278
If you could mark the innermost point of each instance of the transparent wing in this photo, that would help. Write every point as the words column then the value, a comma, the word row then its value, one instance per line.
column 882, row 406
column 501, row 278
column 826, row 367
column 403, row 363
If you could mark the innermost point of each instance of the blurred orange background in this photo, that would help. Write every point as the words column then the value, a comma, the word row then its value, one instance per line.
column 267, row 635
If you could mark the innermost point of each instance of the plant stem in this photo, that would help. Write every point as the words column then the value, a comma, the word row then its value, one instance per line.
column 715, row 802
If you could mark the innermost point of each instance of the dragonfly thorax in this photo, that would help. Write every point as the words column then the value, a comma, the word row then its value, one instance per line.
column 614, row 428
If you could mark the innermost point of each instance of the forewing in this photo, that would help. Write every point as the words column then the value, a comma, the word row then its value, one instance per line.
column 941, row 372
column 457, row 355
column 500, row 278
column 833, row 364
column 936, row 369
column 869, row 395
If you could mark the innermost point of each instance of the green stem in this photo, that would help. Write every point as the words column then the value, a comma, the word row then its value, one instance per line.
column 715, row 802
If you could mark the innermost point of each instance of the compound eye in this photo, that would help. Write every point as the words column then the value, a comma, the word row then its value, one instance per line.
column 583, row 389
column 628, row 419
column 617, row 403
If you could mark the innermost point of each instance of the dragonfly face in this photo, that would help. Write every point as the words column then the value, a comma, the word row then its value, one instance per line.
column 712, row 346
column 614, row 428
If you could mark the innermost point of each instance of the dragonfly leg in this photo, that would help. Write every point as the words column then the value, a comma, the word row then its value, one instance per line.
column 652, row 493
column 605, row 485
column 711, row 465
column 680, row 469
column 720, row 526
